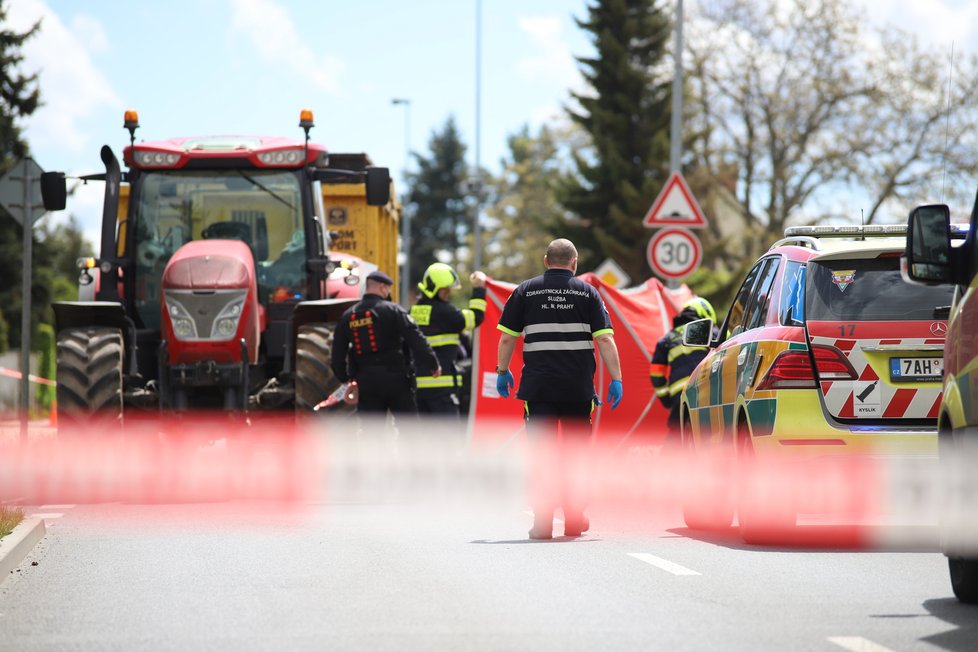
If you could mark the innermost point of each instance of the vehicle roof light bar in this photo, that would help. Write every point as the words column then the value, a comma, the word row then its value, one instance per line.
column 847, row 231
column 798, row 241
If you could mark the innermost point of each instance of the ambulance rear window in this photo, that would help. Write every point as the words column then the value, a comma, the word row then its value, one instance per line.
column 869, row 290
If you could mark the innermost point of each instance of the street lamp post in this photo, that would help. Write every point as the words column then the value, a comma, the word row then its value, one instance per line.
column 477, row 227
column 405, row 215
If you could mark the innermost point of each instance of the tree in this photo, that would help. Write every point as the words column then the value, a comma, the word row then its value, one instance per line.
column 921, row 142
column 19, row 97
column 808, row 116
column 57, row 250
column 525, row 213
column 20, row 94
column 627, row 117
column 436, row 200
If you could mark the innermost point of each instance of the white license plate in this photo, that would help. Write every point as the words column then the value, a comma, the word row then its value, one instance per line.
column 914, row 370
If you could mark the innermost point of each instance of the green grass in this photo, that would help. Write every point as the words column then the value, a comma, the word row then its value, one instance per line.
column 9, row 518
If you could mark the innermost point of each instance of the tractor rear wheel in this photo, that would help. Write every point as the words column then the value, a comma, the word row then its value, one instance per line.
column 314, row 379
column 89, row 378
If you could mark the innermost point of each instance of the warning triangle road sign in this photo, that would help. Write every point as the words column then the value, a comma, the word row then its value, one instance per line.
column 675, row 206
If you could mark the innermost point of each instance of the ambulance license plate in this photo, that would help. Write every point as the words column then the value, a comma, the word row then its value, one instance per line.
column 916, row 370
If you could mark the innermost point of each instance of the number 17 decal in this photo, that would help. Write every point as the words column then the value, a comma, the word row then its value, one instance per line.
column 847, row 329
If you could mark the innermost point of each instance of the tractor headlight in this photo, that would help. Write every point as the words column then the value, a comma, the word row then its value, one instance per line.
column 205, row 315
column 226, row 322
column 281, row 157
column 225, row 328
column 156, row 159
column 183, row 328
column 180, row 319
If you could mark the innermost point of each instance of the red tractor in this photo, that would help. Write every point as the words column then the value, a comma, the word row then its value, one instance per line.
column 215, row 287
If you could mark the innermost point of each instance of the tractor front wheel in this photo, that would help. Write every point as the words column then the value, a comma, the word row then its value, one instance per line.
column 90, row 378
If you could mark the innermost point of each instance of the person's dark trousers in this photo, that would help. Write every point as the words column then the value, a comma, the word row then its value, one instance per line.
column 559, row 433
column 673, row 438
column 382, row 390
column 445, row 405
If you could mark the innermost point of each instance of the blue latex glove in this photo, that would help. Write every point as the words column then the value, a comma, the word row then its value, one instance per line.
column 504, row 383
column 614, row 394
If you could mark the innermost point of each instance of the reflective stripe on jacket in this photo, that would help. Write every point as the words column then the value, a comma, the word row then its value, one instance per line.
column 442, row 325
column 671, row 365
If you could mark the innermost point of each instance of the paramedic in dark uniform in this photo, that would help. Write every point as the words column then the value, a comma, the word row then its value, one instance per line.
column 443, row 324
column 561, row 319
column 373, row 344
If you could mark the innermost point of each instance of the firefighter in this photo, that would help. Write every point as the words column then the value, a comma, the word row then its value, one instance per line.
column 673, row 362
column 443, row 324
column 562, row 320
column 373, row 344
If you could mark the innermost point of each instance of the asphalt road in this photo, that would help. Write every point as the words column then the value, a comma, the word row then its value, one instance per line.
column 398, row 556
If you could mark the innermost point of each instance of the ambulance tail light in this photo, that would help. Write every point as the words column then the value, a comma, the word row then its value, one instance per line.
column 832, row 364
column 793, row 369
column 790, row 370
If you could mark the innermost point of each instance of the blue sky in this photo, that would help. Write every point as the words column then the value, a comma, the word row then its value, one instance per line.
column 248, row 66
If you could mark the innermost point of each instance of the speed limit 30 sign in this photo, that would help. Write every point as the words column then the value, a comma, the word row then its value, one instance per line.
column 674, row 253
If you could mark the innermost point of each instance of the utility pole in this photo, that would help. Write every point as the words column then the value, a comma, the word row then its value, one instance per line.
column 20, row 195
column 25, row 305
column 477, row 227
column 405, row 215
column 676, row 132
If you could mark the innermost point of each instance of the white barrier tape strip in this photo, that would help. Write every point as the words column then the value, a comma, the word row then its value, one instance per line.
column 13, row 373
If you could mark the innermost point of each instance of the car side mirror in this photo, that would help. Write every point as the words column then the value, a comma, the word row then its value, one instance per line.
column 698, row 333
column 54, row 191
column 928, row 254
column 378, row 186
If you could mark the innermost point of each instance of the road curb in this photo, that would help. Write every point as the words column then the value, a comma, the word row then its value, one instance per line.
column 15, row 546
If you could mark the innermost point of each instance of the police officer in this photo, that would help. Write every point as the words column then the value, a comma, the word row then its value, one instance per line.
column 673, row 362
column 373, row 344
column 561, row 319
column 442, row 324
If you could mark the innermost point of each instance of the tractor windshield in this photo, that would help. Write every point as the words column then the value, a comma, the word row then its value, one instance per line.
column 261, row 207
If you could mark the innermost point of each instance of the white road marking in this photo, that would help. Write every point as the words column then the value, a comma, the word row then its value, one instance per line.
column 56, row 507
column 47, row 515
column 664, row 564
column 857, row 644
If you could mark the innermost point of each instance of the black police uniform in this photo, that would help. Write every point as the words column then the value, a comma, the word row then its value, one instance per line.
column 373, row 344
column 442, row 324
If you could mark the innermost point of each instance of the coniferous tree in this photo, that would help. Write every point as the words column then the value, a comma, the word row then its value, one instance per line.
column 436, row 200
column 19, row 97
column 627, row 115
column 19, row 94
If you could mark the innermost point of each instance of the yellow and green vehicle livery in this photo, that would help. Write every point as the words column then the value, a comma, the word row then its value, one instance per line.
column 825, row 350
column 932, row 260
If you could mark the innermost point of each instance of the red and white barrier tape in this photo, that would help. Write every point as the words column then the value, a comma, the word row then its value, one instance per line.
column 13, row 373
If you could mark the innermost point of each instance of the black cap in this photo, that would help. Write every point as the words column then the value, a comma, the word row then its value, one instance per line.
column 380, row 277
